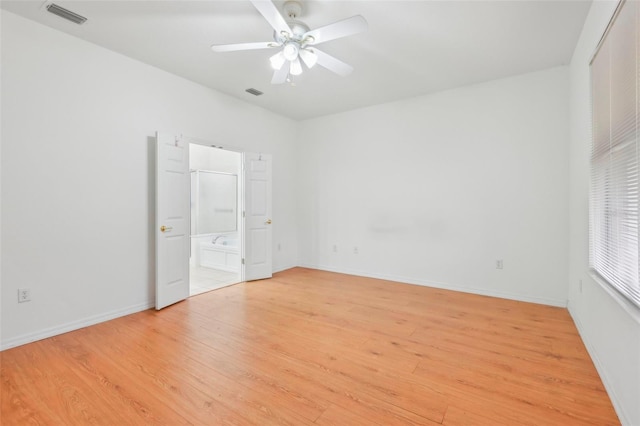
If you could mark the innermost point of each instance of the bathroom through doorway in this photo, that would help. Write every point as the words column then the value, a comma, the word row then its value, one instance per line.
column 216, row 217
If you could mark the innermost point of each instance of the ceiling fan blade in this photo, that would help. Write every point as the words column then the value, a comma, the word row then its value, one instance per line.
column 271, row 14
column 346, row 27
column 243, row 46
column 280, row 76
column 308, row 56
column 332, row 64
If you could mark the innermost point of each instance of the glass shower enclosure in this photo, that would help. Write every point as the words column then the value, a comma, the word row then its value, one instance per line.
column 214, row 200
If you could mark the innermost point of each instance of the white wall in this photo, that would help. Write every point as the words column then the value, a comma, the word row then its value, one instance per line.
column 609, row 326
column 77, row 175
column 433, row 190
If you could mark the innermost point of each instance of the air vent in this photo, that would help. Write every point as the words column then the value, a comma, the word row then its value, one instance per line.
column 254, row 92
column 66, row 14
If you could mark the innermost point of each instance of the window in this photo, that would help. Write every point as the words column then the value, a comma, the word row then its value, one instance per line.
column 614, row 198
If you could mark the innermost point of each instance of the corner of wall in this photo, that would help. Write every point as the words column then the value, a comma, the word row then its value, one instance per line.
column 608, row 330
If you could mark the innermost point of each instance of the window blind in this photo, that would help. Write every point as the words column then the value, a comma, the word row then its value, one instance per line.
column 614, row 190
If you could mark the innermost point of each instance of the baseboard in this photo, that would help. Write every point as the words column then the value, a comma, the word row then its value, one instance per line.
column 562, row 303
column 622, row 415
column 74, row 325
column 85, row 322
column 284, row 268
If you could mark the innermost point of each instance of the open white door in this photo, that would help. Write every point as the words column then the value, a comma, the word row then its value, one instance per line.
column 257, row 235
column 172, row 220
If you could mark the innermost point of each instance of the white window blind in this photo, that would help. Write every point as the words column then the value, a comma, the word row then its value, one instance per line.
column 614, row 161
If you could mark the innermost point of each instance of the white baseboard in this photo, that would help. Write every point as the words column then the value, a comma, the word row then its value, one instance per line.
column 562, row 303
column 73, row 325
column 85, row 322
column 623, row 417
column 283, row 268
column 95, row 319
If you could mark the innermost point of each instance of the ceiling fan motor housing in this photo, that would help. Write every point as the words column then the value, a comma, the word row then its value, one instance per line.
column 298, row 29
column 292, row 9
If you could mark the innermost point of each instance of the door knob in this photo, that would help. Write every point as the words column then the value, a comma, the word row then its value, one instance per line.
column 165, row 228
column 268, row 222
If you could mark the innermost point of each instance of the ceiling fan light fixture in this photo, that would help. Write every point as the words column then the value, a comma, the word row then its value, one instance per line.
column 290, row 51
column 309, row 57
column 296, row 41
column 296, row 67
column 277, row 60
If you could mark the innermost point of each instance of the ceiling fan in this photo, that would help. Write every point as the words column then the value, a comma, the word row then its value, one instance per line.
column 297, row 41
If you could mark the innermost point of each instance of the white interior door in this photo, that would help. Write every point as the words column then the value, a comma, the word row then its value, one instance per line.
column 172, row 220
column 258, row 233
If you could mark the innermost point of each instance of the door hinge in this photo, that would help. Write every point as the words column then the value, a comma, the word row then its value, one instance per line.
column 243, row 260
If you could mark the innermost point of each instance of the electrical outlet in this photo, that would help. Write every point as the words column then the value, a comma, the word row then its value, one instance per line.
column 335, row 248
column 24, row 295
column 499, row 264
column 355, row 250
column 279, row 247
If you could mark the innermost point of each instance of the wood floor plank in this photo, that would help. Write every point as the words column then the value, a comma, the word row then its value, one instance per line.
column 339, row 365
column 311, row 360
column 20, row 394
column 338, row 416
column 55, row 382
column 459, row 417
column 169, row 382
column 245, row 368
column 116, row 388
column 334, row 314
column 313, row 347
column 277, row 318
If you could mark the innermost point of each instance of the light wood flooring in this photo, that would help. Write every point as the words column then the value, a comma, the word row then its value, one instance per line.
column 313, row 348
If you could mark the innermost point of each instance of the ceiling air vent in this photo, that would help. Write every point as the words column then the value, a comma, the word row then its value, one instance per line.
column 254, row 92
column 66, row 14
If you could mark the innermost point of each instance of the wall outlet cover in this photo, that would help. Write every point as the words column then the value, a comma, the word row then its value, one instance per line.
column 24, row 295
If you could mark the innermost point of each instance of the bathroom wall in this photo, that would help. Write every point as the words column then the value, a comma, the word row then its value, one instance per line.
column 204, row 157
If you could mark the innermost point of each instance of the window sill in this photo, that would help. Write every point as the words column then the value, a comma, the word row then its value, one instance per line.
column 628, row 306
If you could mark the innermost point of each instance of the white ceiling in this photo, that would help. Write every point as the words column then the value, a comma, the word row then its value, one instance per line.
column 411, row 48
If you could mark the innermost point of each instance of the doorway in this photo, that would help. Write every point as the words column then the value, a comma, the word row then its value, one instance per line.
column 216, row 217
column 173, row 242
